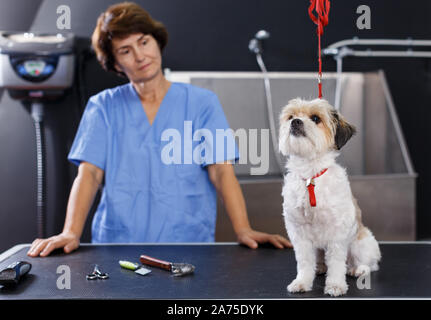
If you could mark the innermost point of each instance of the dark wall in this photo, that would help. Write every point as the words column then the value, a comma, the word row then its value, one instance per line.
column 213, row 35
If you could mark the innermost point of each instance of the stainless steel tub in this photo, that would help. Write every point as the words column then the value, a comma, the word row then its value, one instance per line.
column 377, row 159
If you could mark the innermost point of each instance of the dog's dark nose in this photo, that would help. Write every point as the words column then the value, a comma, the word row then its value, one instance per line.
column 297, row 128
column 297, row 123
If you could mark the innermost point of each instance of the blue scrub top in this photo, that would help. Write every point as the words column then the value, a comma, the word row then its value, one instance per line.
column 145, row 199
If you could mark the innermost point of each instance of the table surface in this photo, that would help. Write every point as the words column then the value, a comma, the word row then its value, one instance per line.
column 223, row 271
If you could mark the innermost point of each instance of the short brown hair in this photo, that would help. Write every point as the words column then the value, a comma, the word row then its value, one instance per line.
column 120, row 21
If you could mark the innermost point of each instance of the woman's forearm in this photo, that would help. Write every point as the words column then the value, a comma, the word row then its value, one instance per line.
column 228, row 188
column 230, row 191
column 81, row 198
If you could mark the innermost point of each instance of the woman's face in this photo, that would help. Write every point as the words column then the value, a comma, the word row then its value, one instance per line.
column 138, row 56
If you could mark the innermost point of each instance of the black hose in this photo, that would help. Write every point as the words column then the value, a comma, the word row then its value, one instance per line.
column 37, row 114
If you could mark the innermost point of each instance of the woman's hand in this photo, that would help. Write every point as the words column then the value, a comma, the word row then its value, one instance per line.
column 223, row 177
column 81, row 197
column 252, row 238
column 43, row 247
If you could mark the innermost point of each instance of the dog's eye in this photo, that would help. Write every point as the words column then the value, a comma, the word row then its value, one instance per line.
column 315, row 119
column 290, row 117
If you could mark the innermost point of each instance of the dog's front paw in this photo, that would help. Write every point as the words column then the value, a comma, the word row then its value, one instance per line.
column 336, row 289
column 299, row 286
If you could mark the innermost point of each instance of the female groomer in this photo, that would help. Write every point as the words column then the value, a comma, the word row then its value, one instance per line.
column 119, row 139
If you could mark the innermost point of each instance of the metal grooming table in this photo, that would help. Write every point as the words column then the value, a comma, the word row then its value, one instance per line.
column 223, row 271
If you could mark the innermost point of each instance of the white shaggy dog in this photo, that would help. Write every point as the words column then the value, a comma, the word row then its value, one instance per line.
column 322, row 217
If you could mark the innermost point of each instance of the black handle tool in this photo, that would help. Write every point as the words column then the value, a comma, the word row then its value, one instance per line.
column 12, row 274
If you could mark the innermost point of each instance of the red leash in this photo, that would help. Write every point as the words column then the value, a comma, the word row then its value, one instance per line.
column 322, row 9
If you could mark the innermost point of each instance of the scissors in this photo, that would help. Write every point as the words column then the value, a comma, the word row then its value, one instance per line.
column 97, row 274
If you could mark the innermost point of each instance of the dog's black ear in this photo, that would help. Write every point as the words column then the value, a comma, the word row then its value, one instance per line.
column 344, row 130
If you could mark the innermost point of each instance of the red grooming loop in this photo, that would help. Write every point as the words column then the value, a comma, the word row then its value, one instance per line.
column 310, row 186
column 322, row 9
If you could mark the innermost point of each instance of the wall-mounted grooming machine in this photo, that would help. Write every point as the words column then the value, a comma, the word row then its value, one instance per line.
column 35, row 68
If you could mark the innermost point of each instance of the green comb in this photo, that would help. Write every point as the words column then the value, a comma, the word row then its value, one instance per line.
column 128, row 265
column 134, row 267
